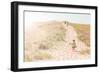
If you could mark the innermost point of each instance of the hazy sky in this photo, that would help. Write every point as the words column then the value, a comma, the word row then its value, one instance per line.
column 45, row 16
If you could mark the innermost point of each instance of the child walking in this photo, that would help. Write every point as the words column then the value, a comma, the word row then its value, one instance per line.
column 74, row 45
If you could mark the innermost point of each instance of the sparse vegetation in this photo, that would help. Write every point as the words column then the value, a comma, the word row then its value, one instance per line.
column 41, row 55
column 83, row 31
column 55, row 33
column 84, row 52
column 37, row 55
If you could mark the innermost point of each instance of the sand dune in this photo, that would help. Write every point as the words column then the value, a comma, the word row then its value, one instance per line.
column 53, row 40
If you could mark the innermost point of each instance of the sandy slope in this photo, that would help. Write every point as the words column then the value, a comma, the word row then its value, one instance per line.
column 61, row 50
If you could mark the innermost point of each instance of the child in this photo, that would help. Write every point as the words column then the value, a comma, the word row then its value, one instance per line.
column 74, row 45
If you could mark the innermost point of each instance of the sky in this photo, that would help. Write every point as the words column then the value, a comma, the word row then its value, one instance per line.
column 31, row 17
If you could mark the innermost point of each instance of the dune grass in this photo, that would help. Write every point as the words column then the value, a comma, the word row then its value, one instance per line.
column 38, row 55
column 83, row 31
column 55, row 33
